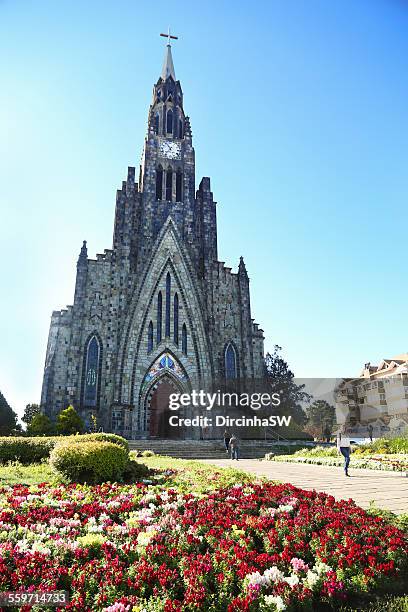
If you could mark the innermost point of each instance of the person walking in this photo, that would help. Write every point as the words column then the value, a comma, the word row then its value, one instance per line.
column 344, row 447
column 227, row 438
column 234, row 447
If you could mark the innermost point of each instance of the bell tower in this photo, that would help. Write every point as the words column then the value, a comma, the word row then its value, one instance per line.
column 167, row 173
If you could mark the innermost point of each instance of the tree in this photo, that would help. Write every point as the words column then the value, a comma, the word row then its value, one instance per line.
column 280, row 379
column 30, row 411
column 321, row 417
column 69, row 422
column 8, row 418
column 40, row 425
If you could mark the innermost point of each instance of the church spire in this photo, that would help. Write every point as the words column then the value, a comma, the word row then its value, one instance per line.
column 168, row 66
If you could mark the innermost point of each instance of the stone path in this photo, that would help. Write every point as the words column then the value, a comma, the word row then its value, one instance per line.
column 388, row 489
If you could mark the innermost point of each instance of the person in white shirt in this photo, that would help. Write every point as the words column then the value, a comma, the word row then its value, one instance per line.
column 344, row 447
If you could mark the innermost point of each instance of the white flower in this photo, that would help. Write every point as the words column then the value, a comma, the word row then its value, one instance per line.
column 273, row 574
column 275, row 601
column 311, row 578
column 321, row 568
column 291, row 580
column 256, row 579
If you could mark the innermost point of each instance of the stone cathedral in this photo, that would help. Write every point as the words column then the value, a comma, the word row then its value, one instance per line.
column 158, row 313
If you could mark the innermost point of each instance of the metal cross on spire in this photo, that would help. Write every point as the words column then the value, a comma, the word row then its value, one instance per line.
column 169, row 36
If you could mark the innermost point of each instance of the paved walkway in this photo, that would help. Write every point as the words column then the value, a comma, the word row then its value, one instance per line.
column 388, row 489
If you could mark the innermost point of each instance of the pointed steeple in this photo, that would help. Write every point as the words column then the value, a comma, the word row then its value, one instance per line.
column 168, row 66
column 242, row 268
column 83, row 256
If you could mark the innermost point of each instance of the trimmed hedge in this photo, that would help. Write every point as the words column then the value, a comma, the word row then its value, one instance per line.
column 25, row 450
column 92, row 461
column 36, row 449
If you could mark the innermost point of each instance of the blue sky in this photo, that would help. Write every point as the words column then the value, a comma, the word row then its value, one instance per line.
column 299, row 116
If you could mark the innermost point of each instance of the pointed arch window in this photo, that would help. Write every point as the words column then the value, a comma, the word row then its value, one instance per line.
column 184, row 339
column 92, row 366
column 176, row 319
column 180, row 130
column 159, row 183
column 168, row 291
column 179, row 186
column 150, row 337
column 156, row 123
column 169, row 124
column 159, row 317
column 169, row 185
column 230, row 362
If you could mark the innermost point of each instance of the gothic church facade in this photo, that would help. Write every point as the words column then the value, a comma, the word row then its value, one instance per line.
column 158, row 313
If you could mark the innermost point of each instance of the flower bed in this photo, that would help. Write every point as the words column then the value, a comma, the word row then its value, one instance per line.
column 388, row 463
column 254, row 546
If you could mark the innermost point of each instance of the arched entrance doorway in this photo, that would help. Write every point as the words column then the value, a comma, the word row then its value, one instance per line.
column 158, row 410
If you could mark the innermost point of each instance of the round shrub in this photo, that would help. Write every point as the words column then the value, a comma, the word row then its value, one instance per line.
column 90, row 461
column 148, row 453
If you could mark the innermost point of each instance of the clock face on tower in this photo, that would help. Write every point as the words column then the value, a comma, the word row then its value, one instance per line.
column 170, row 149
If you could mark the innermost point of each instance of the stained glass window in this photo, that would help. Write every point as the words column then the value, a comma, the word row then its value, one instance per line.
column 184, row 339
column 168, row 297
column 159, row 316
column 176, row 319
column 230, row 362
column 91, row 372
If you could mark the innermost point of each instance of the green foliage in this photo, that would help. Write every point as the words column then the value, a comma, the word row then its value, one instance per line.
column 40, row 425
column 91, row 461
column 398, row 520
column 321, row 417
column 32, row 450
column 317, row 451
column 148, row 453
column 135, row 471
column 69, row 422
column 385, row 446
column 29, row 412
column 280, row 379
column 25, row 450
column 8, row 418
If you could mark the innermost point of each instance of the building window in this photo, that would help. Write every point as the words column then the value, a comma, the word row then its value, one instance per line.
column 92, row 352
column 159, row 183
column 117, row 420
column 168, row 288
column 169, row 127
column 179, row 183
column 176, row 319
column 156, row 123
column 169, row 184
column 184, row 339
column 150, row 337
column 230, row 362
column 180, row 132
column 159, row 316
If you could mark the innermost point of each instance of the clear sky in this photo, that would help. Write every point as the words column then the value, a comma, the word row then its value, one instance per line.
column 299, row 116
